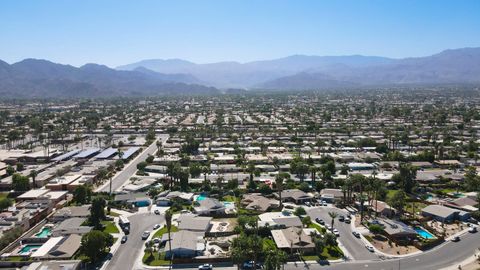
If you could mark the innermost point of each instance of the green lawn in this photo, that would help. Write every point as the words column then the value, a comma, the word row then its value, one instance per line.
column 158, row 259
column 329, row 253
column 3, row 195
column 110, row 227
column 268, row 243
column 163, row 230
column 228, row 198
column 391, row 192
column 318, row 227
column 114, row 214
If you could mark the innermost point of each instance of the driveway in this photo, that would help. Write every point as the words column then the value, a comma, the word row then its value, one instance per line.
column 355, row 247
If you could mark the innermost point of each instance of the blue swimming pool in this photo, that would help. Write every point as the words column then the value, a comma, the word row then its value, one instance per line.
column 28, row 248
column 423, row 233
column 201, row 197
column 45, row 232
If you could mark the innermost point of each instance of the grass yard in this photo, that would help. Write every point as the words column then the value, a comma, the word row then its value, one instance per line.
column 163, row 230
column 228, row 198
column 390, row 193
column 329, row 253
column 110, row 227
column 155, row 259
column 319, row 228
column 3, row 195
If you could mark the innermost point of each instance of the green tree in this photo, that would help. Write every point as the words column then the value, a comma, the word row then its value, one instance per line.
column 300, row 211
column 20, row 182
column 97, row 212
column 80, row 194
column 333, row 216
column 94, row 245
column 168, row 223
column 5, row 203
column 33, row 174
column 397, row 201
column 375, row 228
column 20, row 166
column 10, row 170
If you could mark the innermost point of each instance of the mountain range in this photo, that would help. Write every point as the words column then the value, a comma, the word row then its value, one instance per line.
column 42, row 78
column 318, row 72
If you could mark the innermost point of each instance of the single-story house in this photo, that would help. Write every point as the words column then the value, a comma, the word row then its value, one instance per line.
column 258, row 202
column 444, row 214
column 209, row 206
column 397, row 230
column 71, row 226
column 331, row 195
column 185, row 244
column 293, row 239
column 295, row 195
column 194, row 223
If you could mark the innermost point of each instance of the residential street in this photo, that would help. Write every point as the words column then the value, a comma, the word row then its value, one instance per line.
column 355, row 247
column 128, row 253
column 130, row 169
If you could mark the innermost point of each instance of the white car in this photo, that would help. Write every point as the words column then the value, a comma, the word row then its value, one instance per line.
column 336, row 232
column 156, row 226
column 205, row 267
column 472, row 229
column 370, row 248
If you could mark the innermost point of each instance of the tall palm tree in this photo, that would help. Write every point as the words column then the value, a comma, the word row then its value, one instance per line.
column 279, row 185
column 33, row 174
column 333, row 216
column 168, row 222
column 205, row 171
column 313, row 170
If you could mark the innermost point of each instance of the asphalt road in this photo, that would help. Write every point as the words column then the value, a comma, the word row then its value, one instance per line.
column 355, row 247
column 127, row 254
column 130, row 169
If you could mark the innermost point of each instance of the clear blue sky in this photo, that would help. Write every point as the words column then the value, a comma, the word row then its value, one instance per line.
column 115, row 32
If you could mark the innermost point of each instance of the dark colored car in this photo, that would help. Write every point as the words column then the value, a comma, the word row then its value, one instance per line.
column 341, row 218
column 320, row 221
column 249, row 265
column 124, row 239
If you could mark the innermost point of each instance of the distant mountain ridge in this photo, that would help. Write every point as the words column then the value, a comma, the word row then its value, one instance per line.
column 44, row 79
column 318, row 72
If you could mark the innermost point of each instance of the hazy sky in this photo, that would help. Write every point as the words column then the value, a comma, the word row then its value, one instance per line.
column 115, row 32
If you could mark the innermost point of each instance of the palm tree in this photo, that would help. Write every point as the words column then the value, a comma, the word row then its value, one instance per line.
column 333, row 216
column 279, row 185
column 313, row 171
column 33, row 174
column 149, row 247
column 168, row 222
column 205, row 171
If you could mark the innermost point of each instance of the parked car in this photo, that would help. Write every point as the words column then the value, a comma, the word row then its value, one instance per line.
column 472, row 220
column 124, row 239
column 157, row 212
column 472, row 229
column 156, row 226
column 145, row 235
column 205, row 267
column 369, row 248
column 341, row 218
column 336, row 232
column 348, row 220
column 328, row 227
column 324, row 203
column 156, row 240
column 456, row 239
column 320, row 221
column 356, row 234
column 249, row 265
column 307, row 203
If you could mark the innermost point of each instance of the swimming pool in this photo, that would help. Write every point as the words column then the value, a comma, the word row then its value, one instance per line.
column 45, row 232
column 201, row 197
column 423, row 233
column 229, row 204
column 28, row 248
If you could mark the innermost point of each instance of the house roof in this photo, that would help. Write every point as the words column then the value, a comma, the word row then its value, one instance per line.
column 291, row 221
column 396, row 228
column 295, row 194
column 184, row 240
column 292, row 238
column 439, row 210
column 193, row 223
